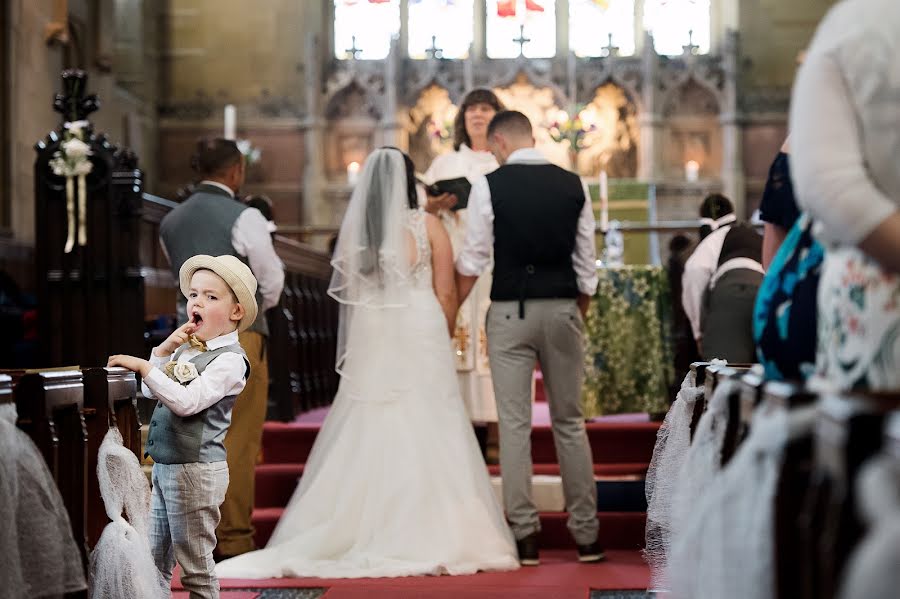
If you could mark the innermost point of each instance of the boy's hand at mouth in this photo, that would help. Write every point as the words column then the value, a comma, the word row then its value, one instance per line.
column 175, row 340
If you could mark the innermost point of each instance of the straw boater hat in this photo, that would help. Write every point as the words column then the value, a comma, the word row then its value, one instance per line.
column 236, row 275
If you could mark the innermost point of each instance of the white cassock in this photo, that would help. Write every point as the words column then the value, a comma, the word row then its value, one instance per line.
column 469, row 339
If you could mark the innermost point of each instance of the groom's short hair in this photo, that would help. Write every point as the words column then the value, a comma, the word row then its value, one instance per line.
column 510, row 122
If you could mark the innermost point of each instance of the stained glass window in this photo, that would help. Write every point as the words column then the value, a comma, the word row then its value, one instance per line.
column 526, row 24
column 676, row 23
column 592, row 22
column 365, row 27
column 449, row 22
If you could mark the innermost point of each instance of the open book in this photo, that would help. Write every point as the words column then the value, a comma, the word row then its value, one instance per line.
column 460, row 187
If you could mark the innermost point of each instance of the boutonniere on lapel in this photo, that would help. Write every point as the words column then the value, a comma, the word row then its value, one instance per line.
column 181, row 373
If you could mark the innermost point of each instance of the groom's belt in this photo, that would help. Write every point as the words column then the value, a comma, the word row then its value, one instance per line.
column 526, row 282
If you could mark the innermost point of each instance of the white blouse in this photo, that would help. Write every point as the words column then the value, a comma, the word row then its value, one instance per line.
column 845, row 121
column 465, row 162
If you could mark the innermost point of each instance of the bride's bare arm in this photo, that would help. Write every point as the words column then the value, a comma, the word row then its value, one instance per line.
column 442, row 267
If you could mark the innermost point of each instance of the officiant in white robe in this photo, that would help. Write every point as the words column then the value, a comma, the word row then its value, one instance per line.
column 469, row 159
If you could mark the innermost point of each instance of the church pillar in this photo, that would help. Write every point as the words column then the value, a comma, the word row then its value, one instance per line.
column 640, row 34
column 562, row 29
column 390, row 123
column 650, row 121
column 315, row 208
column 731, row 120
column 478, row 35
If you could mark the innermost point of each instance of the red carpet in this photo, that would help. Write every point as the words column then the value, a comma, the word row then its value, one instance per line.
column 559, row 576
column 621, row 446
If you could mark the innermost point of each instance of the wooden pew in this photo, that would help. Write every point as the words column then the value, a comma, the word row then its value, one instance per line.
column 731, row 439
column 741, row 406
column 848, row 432
column 699, row 371
column 110, row 400
column 6, row 389
column 793, row 482
column 50, row 406
column 303, row 333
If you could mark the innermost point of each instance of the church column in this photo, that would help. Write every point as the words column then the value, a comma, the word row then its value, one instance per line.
column 640, row 34
column 649, row 120
column 733, row 184
column 478, row 35
column 315, row 208
column 562, row 28
column 390, row 123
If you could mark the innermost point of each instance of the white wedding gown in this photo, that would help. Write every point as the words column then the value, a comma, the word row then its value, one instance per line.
column 395, row 484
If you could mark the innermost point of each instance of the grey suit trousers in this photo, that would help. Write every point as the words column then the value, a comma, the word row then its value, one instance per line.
column 552, row 332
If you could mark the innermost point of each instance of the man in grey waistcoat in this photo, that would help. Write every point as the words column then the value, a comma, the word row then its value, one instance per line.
column 213, row 222
column 537, row 222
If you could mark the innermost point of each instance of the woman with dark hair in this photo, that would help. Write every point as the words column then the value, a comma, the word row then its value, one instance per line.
column 397, row 410
column 471, row 159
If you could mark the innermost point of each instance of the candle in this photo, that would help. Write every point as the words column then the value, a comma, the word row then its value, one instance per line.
column 604, row 201
column 691, row 170
column 352, row 173
column 230, row 122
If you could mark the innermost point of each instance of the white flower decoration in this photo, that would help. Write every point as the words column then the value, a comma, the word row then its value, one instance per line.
column 185, row 373
column 76, row 149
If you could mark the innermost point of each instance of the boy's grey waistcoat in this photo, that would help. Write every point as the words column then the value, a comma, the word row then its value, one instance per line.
column 198, row 438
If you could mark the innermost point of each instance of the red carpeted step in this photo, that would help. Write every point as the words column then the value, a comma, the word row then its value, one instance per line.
column 539, row 393
column 275, row 483
column 612, row 443
column 618, row 530
column 288, row 443
column 603, row 470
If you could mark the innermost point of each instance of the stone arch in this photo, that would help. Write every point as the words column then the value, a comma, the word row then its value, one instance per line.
column 541, row 104
column 613, row 146
column 430, row 125
column 693, row 131
column 352, row 115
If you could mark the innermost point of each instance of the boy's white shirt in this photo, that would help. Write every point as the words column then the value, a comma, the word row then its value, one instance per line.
column 223, row 377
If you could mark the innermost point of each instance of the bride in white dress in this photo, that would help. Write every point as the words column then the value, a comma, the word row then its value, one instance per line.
column 395, row 484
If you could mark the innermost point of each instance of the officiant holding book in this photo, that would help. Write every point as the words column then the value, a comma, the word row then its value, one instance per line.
column 470, row 159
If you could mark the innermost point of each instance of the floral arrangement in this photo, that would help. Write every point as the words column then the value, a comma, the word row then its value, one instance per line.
column 572, row 131
column 251, row 153
column 441, row 130
column 182, row 373
column 72, row 161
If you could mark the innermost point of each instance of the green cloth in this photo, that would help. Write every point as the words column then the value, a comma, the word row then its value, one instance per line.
column 629, row 359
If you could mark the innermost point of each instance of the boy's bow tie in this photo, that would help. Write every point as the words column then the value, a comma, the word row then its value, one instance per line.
column 196, row 343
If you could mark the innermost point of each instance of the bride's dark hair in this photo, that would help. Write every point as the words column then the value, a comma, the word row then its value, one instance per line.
column 374, row 227
column 412, row 197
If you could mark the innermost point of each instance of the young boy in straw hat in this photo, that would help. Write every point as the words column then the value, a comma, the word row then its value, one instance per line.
column 196, row 374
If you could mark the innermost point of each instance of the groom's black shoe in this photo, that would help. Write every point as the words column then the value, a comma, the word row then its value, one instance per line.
column 591, row 553
column 528, row 550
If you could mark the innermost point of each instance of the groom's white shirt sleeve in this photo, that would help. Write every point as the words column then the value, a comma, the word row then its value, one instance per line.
column 479, row 242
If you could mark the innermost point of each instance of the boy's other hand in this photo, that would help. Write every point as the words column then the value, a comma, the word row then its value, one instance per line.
column 138, row 365
column 175, row 340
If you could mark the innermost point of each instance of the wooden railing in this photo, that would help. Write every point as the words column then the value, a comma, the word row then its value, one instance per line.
column 302, row 333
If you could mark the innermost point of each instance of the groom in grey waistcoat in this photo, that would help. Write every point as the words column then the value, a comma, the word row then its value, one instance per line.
column 536, row 220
